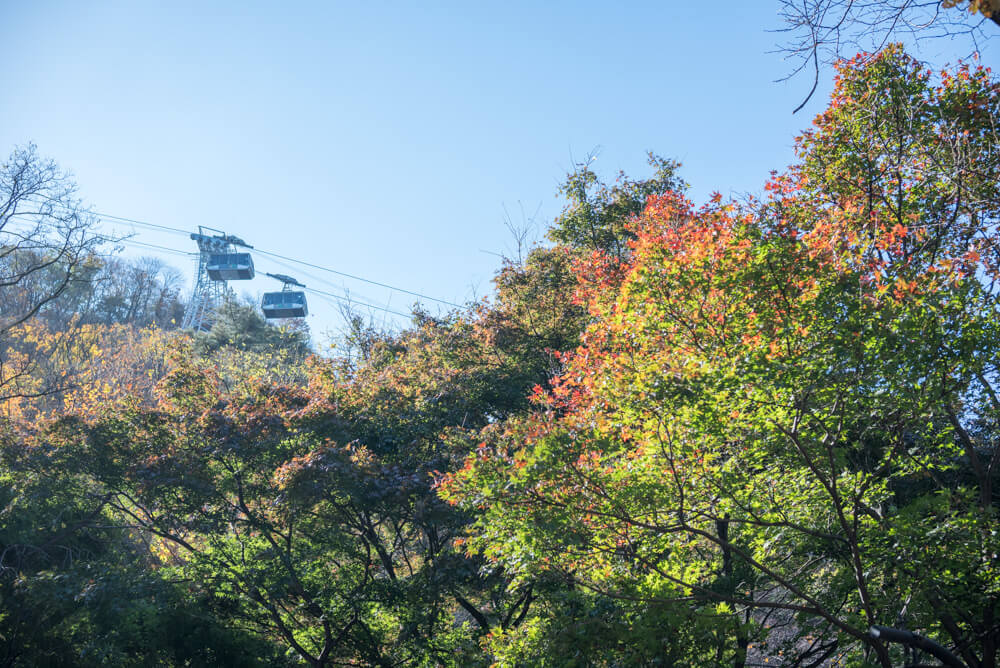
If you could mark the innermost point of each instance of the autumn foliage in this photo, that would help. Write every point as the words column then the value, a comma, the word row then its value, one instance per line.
column 782, row 410
column 734, row 433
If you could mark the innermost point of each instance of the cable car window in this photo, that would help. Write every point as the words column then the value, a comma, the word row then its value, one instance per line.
column 284, row 304
column 230, row 267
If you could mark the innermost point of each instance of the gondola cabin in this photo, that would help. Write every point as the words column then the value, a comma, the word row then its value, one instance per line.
column 230, row 267
column 285, row 304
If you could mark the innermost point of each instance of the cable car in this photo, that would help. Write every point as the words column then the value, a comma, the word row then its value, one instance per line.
column 285, row 304
column 230, row 267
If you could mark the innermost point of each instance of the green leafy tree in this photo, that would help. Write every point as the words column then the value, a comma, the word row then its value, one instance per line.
column 76, row 587
column 308, row 514
column 295, row 499
column 596, row 215
column 782, row 414
column 241, row 326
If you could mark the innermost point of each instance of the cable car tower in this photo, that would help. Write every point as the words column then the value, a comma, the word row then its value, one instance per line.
column 219, row 261
column 287, row 303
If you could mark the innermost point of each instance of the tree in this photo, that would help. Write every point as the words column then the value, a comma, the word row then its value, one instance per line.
column 308, row 513
column 226, row 476
column 141, row 292
column 46, row 245
column 596, row 215
column 824, row 31
column 107, row 290
column 76, row 589
column 99, row 368
column 241, row 326
column 783, row 412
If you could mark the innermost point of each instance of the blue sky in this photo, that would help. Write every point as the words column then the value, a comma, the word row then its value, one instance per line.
column 387, row 139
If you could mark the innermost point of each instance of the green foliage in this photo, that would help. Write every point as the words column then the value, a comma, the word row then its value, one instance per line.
column 784, row 410
column 536, row 315
column 75, row 587
column 242, row 327
column 596, row 217
column 307, row 514
column 685, row 436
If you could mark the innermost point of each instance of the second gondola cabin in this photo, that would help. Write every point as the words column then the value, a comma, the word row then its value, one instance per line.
column 284, row 304
column 230, row 267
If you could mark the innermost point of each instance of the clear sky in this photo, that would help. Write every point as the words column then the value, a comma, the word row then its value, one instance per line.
column 387, row 139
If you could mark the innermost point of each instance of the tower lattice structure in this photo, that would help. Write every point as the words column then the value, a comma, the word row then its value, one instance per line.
column 208, row 293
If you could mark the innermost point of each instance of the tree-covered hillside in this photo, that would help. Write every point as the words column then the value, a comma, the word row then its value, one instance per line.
column 741, row 432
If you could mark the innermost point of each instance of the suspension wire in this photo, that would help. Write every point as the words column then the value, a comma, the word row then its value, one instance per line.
column 329, row 296
column 300, row 272
column 358, row 278
column 290, row 259
column 175, row 230
column 155, row 246
column 339, row 298
column 349, row 301
column 178, row 230
column 117, row 240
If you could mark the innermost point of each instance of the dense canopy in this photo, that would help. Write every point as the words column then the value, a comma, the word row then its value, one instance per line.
column 738, row 433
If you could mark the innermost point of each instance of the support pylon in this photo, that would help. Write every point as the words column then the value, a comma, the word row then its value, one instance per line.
column 208, row 294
